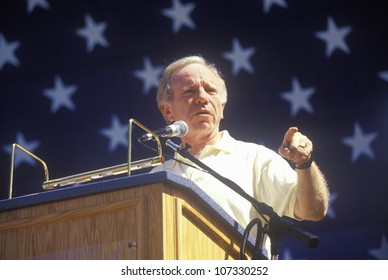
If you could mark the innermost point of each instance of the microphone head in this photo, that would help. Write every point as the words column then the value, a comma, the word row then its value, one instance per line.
column 181, row 128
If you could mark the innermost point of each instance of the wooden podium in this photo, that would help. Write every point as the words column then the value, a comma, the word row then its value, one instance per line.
column 147, row 216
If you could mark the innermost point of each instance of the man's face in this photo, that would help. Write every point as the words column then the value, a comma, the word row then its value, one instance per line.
column 196, row 99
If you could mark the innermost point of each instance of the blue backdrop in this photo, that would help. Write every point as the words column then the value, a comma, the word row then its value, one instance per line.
column 72, row 73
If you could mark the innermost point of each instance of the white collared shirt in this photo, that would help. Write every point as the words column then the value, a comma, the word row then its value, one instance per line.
column 259, row 171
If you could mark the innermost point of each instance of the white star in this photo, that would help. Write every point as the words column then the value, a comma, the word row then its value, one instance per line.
column 7, row 52
column 267, row 4
column 180, row 14
column 287, row 254
column 31, row 4
column 382, row 252
column 60, row 95
column 92, row 32
column 149, row 75
column 240, row 57
column 360, row 142
column 298, row 97
column 330, row 213
column 117, row 133
column 334, row 37
column 21, row 156
column 383, row 75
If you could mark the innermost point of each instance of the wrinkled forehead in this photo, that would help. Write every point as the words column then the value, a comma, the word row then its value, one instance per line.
column 193, row 74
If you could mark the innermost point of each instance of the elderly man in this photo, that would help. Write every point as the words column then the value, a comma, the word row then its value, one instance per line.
column 193, row 90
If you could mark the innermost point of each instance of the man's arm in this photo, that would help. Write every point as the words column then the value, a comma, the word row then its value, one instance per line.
column 312, row 200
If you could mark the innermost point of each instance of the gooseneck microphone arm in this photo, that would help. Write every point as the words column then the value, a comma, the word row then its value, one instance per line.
column 276, row 224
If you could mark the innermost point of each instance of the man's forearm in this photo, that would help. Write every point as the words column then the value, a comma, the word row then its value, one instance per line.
column 312, row 200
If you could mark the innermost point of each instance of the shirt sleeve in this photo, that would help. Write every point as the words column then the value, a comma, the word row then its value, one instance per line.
column 277, row 184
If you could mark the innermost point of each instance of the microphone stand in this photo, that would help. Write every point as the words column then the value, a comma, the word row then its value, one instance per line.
column 276, row 225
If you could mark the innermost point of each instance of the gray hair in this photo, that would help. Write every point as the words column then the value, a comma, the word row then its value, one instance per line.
column 164, row 93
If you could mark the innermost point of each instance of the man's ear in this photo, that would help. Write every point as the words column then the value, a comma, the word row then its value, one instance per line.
column 167, row 113
column 222, row 112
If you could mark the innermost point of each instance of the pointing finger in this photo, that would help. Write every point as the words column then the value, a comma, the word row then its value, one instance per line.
column 284, row 149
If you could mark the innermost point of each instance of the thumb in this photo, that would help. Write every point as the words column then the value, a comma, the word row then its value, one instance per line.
column 284, row 152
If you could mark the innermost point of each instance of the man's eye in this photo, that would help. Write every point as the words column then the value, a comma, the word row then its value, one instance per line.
column 188, row 91
column 211, row 90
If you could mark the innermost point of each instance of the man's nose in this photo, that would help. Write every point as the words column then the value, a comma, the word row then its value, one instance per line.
column 202, row 96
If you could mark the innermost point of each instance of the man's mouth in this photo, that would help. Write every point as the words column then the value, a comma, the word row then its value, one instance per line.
column 203, row 113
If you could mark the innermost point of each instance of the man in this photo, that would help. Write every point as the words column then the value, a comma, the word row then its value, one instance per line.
column 192, row 90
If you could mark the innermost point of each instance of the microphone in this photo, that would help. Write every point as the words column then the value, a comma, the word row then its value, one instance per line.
column 177, row 129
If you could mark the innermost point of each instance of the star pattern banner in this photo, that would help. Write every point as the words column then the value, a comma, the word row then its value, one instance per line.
column 72, row 73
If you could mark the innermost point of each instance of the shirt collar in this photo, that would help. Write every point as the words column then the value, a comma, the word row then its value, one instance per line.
column 225, row 144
